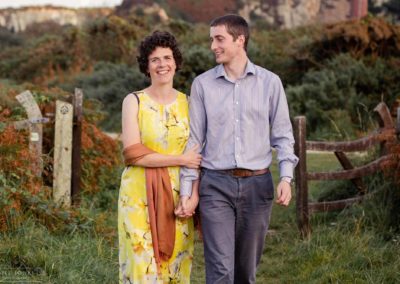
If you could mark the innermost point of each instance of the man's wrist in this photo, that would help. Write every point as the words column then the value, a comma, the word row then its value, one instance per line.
column 287, row 179
column 186, row 188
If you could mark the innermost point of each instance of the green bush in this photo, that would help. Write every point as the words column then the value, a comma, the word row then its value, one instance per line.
column 112, row 39
column 9, row 39
column 45, row 58
column 196, row 60
column 109, row 83
column 338, row 100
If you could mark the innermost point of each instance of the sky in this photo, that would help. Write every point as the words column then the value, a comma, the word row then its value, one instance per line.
column 65, row 3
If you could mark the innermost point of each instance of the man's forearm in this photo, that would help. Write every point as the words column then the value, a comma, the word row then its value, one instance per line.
column 197, row 136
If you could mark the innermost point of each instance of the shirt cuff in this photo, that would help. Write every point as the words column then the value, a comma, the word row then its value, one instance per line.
column 186, row 188
column 286, row 169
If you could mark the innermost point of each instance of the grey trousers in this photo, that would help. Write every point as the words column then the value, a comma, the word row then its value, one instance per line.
column 235, row 215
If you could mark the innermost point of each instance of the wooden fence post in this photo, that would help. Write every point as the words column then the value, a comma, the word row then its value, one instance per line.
column 77, row 101
column 36, row 130
column 385, row 136
column 63, row 154
column 302, row 211
column 398, row 121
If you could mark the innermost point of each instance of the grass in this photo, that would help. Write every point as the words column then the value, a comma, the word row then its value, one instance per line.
column 345, row 247
column 35, row 255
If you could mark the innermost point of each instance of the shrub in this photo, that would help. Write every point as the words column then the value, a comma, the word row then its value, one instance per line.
column 49, row 57
column 22, row 194
column 338, row 100
column 112, row 39
column 109, row 83
column 9, row 39
column 196, row 60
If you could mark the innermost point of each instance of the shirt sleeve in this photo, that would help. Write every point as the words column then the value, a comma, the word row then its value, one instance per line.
column 281, row 129
column 198, row 121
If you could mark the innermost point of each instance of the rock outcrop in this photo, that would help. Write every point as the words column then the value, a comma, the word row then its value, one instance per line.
column 279, row 13
column 18, row 20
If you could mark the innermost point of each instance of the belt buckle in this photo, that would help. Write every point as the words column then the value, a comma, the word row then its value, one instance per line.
column 242, row 173
column 236, row 172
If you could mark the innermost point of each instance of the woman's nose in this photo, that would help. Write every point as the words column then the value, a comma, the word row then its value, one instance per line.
column 162, row 62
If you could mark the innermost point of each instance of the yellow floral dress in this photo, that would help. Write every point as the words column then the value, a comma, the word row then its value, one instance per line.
column 164, row 129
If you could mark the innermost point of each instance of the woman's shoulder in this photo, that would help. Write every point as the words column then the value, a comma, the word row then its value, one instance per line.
column 133, row 96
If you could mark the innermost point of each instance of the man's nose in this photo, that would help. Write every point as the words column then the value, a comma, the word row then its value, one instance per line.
column 213, row 45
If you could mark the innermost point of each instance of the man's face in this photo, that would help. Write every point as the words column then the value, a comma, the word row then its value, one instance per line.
column 223, row 45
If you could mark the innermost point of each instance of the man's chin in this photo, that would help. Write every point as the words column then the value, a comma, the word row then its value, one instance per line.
column 219, row 60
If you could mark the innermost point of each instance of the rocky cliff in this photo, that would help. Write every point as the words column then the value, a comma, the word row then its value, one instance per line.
column 277, row 13
column 280, row 13
column 19, row 19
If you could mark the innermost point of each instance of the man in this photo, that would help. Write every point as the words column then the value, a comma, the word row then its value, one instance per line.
column 238, row 112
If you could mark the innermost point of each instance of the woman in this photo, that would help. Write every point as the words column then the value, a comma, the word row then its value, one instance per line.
column 154, row 246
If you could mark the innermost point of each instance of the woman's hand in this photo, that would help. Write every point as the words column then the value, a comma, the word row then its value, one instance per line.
column 191, row 158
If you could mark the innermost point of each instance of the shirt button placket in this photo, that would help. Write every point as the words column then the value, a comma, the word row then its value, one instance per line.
column 236, row 122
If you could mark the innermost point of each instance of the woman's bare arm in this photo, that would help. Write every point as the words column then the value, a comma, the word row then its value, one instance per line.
column 131, row 135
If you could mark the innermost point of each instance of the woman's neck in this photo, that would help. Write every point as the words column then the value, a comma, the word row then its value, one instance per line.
column 163, row 94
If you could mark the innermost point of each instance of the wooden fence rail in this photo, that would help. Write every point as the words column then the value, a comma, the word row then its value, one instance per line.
column 385, row 136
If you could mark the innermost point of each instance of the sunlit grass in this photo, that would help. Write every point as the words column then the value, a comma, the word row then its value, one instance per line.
column 342, row 248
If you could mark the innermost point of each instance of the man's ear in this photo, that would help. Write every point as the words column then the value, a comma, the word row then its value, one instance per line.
column 241, row 39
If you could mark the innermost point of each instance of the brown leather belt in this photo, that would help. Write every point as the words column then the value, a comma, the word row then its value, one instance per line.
column 243, row 172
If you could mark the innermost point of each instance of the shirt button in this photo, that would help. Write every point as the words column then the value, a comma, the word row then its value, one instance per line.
column 237, row 103
column 237, row 138
column 237, row 120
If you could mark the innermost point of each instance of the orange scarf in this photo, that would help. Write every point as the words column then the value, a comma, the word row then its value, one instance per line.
column 160, row 203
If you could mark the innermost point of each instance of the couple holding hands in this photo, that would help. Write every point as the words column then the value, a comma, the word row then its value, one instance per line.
column 212, row 150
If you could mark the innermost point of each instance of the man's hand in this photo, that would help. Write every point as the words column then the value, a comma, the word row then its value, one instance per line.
column 284, row 193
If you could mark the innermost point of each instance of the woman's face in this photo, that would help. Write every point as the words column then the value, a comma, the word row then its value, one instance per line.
column 162, row 65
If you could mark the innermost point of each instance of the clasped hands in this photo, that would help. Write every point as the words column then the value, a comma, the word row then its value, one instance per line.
column 186, row 206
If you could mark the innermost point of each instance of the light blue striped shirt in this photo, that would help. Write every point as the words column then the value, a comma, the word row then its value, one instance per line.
column 239, row 122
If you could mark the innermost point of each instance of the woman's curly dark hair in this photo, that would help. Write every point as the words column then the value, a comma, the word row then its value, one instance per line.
column 151, row 42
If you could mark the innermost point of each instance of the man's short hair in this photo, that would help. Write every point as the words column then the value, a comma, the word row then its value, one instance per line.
column 235, row 26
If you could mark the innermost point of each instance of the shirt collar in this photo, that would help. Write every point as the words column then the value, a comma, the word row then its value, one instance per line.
column 220, row 71
column 250, row 69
